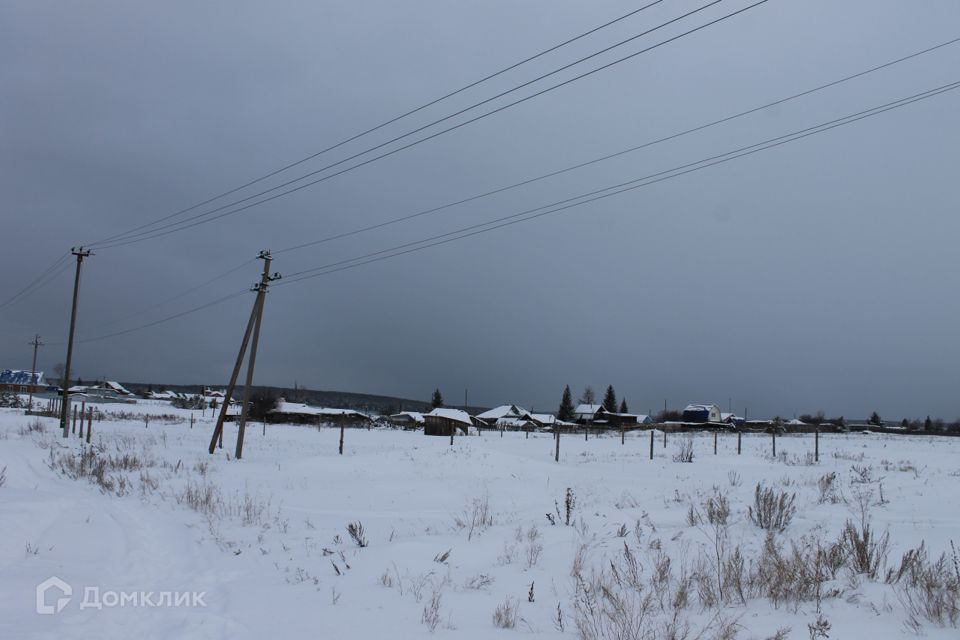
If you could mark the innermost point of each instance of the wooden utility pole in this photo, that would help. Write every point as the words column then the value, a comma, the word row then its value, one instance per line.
column 651, row 444
column 33, row 370
column 261, row 288
column 80, row 254
column 218, row 429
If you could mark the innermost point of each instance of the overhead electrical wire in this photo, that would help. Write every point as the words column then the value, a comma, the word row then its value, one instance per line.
column 399, row 117
column 582, row 199
column 616, row 154
column 606, row 192
column 201, row 307
column 567, row 169
column 48, row 275
column 218, row 213
column 177, row 296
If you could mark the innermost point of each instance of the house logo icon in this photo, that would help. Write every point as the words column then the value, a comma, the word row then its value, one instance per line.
column 50, row 584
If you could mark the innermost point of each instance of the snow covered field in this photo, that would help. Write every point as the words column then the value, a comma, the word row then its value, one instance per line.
column 468, row 541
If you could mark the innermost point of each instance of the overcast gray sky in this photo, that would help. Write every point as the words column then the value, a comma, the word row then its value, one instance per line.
column 817, row 275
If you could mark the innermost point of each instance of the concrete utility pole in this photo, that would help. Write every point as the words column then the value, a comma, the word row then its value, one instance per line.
column 261, row 288
column 33, row 370
column 80, row 254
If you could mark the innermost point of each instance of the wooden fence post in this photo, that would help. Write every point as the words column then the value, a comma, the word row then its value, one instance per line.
column 714, row 443
column 74, row 419
column 622, row 432
column 341, row 438
column 774, row 434
column 816, row 445
column 191, row 420
column 556, row 455
column 651, row 444
column 739, row 437
column 89, row 423
column 664, row 438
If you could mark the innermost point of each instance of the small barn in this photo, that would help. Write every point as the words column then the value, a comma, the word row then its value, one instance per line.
column 701, row 413
column 442, row 422
column 503, row 412
column 549, row 422
column 300, row 413
column 622, row 419
column 407, row 419
column 586, row 413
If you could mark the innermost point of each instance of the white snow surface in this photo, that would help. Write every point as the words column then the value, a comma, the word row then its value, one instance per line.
column 267, row 556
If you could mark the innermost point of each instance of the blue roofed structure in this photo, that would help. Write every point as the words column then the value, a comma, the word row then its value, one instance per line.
column 17, row 380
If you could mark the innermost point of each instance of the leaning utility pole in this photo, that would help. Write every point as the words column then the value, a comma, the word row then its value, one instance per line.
column 265, row 280
column 254, row 314
column 33, row 370
column 65, row 385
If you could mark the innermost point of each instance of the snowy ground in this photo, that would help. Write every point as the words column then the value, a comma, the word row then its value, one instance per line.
column 265, row 539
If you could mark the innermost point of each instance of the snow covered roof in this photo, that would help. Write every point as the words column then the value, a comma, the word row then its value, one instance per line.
column 415, row 416
column 587, row 409
column 305, row 409
column 115, row 386
column 544, row 418
column 450, row 414
column 702, row 407
column 14, row 376
column 504, row 411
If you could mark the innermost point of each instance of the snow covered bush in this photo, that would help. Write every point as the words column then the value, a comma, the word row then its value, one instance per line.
column 505, row 615
column 867, row 552
column 771, row 510
column 684, row 451
column 357, row 534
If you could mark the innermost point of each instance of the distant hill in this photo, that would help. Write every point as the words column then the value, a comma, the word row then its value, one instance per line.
column 365, row 402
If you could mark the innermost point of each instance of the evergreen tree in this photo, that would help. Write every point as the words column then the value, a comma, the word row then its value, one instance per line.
column 623, row 406
column 588, row 397
column 927, row 424
column 875, row 419
column 610, row 400
column 565, row 412
column 437, row 399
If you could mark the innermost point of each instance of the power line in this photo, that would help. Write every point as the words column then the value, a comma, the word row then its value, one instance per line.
column 166, row 301
column 576, row 201
column 396, row 118
column 562, row 205
column 44, row 278
column 551, row 174
column 162, row 320
column 203, row 218
column 616, row 154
